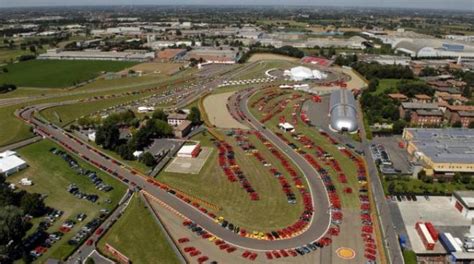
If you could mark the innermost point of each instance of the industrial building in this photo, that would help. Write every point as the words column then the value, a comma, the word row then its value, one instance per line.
column 441, row 151
column 57, row 54
column 189, row 151
column 463, row 201
column 302, row 73
column 343, row 111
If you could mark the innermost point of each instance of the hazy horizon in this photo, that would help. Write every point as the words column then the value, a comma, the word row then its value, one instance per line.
column 466, row 5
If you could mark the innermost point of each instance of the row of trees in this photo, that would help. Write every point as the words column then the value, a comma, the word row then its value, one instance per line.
column 376, row 70
column 285, row 50
column 156, row 126
column 5, row 88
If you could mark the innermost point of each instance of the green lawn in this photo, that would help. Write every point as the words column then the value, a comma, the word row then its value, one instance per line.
column 57, row 73
column 258, row 70
column 10, row 55
column 385, row 84
column 51, row 175
column 263, row 215
column 137, row 235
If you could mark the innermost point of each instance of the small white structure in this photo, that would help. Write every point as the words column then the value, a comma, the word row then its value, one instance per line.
column 145, row 109
column 301, row 73
column 189, row 151
column 463, row 201
column 26, row 182
column 10, row 163
column 91, row 136
column 137, row 153
column 287, row 127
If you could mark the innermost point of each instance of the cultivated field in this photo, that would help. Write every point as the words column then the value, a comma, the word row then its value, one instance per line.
column 216, row 109
column 137, row 235
column 270, row 56
column 57, row 73
column 51, row 176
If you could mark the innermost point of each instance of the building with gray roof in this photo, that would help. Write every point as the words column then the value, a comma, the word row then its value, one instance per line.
column 342, row 111
column 442, row 151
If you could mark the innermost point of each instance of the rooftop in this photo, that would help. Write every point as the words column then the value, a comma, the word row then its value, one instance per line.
column 466, row 198
column 445, row 145
column 411, row 105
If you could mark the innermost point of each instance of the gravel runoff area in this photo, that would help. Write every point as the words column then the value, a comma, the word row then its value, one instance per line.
column 189, row 165
column 218, row 113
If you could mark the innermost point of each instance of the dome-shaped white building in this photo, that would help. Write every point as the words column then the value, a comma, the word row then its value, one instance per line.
column 301, row 73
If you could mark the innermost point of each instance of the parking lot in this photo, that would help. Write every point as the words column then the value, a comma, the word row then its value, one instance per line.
column 396, row 156
column 435, row 209
column 189, row 165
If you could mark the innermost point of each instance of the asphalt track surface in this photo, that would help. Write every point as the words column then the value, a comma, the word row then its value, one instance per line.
column 315, row 230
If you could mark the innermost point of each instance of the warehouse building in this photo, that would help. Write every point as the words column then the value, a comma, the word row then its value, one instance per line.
column 342, row 111
column 442, row 151
column 432, row 48
column 57, row 54
column 463, row 201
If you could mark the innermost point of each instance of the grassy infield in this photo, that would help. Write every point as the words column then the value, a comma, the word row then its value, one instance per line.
column 236, row 205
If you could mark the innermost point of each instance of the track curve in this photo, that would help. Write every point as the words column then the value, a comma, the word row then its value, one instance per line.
column 316, row 229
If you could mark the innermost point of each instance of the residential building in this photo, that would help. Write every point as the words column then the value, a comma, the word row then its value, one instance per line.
column 183, row 129
column 176, row 119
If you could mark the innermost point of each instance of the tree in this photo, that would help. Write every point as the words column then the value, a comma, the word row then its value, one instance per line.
column 108, row 136
column 194, row 116
column 148, row 159
column 32, row 204
column 398, row 126
column 457, row 124
column 13, row 228
column 373, row 85
column 160, row 115
column 471, row 125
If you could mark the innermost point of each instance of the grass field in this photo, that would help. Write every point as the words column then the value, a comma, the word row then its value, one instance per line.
column 138, row 236
column 57, row 73
column 10, row 55
column 263, row 215
column 51, row 175
column 258, row 70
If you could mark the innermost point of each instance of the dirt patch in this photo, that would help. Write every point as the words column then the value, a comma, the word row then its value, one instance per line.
column 270, row 56
column 218, row 113
column 167, row 68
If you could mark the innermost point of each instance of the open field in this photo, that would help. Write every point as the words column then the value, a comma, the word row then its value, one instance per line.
column 138, row 236
column 157, row 67
column 270, row 56
column 217, row 112
column 9, row 55
column 51, row 175
column 57, row 73
column 212, row 185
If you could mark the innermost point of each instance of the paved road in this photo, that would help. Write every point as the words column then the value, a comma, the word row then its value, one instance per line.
column 316, row 229
column 20, row 144
column 84, row 251
column 389, row 234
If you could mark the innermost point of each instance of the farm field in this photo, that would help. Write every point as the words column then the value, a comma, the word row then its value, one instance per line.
column 51, row 176
column 262, row 215
column 57, row 73
column 137, row 235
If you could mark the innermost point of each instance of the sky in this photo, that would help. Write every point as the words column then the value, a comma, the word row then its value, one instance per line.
column 424, row 4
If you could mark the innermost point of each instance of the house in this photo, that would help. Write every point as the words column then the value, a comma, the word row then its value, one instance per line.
column 423, row 117
column 176, row 119
column 422, row 98
column 460, row 113
column 10, row 163
column 448, row 98
column 407, row 108
column 183, row 129
column 189, row 150
column 398, row 97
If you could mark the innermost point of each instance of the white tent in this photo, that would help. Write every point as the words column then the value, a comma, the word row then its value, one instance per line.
column 301, row 73
column 11, row 164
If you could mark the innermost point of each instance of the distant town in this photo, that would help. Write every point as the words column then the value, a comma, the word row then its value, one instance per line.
column 263, row 134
